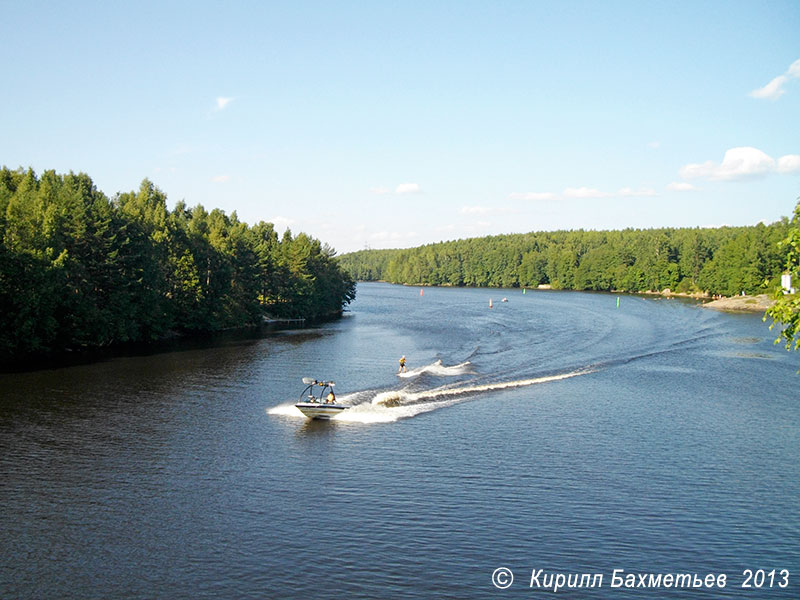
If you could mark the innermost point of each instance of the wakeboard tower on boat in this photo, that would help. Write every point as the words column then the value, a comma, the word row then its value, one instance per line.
column 322, row 406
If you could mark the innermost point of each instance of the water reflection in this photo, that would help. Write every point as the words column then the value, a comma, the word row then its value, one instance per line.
column 317, row 427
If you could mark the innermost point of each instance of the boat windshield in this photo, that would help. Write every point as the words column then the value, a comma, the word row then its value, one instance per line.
column 318, row 391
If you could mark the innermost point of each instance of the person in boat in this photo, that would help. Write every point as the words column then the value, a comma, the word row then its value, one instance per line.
column 331, row 399
column 402, row 364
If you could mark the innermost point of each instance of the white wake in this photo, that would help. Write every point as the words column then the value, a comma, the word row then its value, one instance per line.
column 393, row 405
column 439, row 369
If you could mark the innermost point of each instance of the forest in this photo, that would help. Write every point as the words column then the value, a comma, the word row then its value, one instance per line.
column 715, row 261
column 80, row 270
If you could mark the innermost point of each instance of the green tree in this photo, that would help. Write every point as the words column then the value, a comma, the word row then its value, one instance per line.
column 78, row 270
column 786, row 310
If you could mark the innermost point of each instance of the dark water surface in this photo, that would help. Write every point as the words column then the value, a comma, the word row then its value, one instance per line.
column 555, row 431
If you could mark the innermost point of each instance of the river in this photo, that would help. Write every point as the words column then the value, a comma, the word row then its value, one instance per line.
column 553, row 434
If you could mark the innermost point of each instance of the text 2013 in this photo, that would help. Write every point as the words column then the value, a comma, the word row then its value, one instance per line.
column 765, row 579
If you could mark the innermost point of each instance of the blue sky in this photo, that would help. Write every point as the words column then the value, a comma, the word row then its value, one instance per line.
column 393, row 124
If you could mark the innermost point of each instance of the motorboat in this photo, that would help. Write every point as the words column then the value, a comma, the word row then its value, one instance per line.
column 323, row 405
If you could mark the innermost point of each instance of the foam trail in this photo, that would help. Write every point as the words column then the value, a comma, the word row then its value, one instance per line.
column 285, row 410
column 398, row 397
column 393, row 405
column 439, row 370
column 378, row 413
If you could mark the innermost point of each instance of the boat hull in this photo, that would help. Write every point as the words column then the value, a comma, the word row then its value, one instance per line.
column 316, row 410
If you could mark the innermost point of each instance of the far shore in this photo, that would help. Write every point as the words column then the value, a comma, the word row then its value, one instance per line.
column 758, row 303
column 754, row 304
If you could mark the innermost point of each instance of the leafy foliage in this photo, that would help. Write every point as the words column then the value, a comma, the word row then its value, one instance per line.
column 786, row 309
column 725, row 261
column 78, row 269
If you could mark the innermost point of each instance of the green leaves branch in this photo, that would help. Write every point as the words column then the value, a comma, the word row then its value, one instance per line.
column 786, row 310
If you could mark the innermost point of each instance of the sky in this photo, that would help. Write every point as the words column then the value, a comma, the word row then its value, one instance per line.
column 394, row 124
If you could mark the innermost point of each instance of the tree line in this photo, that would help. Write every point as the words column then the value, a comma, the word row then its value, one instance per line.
column 718, row 261
column 81, row 270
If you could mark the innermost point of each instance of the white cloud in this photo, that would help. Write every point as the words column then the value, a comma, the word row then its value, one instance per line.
column 627, row 192
column 654, row 145
column 531, row 195
column 681, row 186
column 407, row 188
column 789, row 163
column 774, row 89
column 221, row 178
column 585, row 192
column 403, row 188
column 741, row 163
column 222, row 102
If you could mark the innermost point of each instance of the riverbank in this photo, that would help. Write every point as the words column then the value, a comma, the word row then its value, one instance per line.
column 758, row 303
column 755, row 304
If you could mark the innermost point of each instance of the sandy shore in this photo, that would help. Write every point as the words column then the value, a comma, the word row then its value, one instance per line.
column 758, row 303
